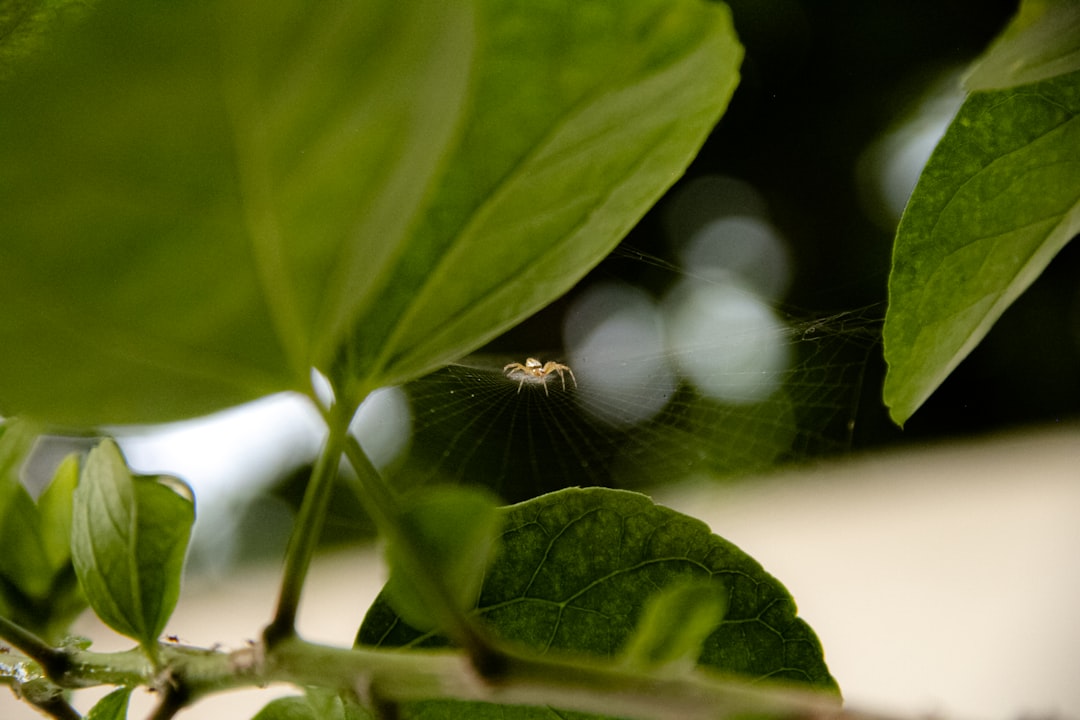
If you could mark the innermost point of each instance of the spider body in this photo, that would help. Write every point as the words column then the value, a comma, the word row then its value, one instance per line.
column 535, row 371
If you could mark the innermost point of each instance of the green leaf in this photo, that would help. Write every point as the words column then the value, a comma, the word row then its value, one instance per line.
column 998, row 199
column 454, row 529
column 201, row 219
column 128, row 540
column 54, row 508
column 113, row 706
column 576, row 570
column 317, row 705
column 24, row 565
column 38, row 589
column 1042, row 41
column 661, row 641
column 194, row 222
column 582, row 113
column 287, row 708
column 24, row 24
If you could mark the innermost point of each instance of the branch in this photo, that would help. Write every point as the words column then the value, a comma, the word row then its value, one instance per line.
column 52, row 660
column 589, row 686
column 48, row 698
column 399, row 676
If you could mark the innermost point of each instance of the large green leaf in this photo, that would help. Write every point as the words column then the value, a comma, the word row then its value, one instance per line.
column 129, row 537
column 24, row 24
column 201, row 201
column 576, row 571
column 195, row 196
column 997, row 200
column 583, row 113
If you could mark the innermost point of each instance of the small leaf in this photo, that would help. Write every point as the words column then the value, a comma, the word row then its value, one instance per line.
column 674, row 625
column 1041, row 42
column 998, row 199
column 113, row 706
column 128, row 540
column 329, row 705
column 37, row 584
column 54, row 508
column 576, row 570
column 23, row 562
column 454, row 529
column 287, row 708
column 318, row 704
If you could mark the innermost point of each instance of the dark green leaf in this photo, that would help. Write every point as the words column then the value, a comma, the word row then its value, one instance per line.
column 582, row 114
column 193, row 221
column 113, row 706
column 128, row 540
column 997, row 200
column 575, row 572
column 454, row 529
column 1043, row 41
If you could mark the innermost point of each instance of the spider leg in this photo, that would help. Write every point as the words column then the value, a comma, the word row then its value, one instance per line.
column 571, row 376
column 521, row 383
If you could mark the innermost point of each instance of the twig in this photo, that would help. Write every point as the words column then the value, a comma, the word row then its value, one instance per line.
column 52, row 660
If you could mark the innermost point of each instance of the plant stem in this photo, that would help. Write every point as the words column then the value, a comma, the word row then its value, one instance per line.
column 590, row 686
column 381, row 504
column 308, row 528
column 395, row 676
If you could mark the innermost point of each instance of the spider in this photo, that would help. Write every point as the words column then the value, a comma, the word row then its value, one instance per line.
column 535, row 371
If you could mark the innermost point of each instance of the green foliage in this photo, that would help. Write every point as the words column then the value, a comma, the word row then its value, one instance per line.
column 659, row 643
column 370, row 189
column 576, row 570
column 454, row 529
column 287, row 708
column 203, row 202
column 24, row 24
column 246, row 193
column 111, row 707
column 550, row 172
column 129, row 536
column 1042, row 42
column 313, row 706
column 998, row 199
column 37, row 582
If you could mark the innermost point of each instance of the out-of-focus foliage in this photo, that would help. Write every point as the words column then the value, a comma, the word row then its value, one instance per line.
column 203, row 201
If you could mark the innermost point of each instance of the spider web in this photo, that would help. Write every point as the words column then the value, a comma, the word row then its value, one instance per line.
column 636, row 416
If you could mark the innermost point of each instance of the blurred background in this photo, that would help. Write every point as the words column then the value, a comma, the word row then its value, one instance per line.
column 794, row 200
